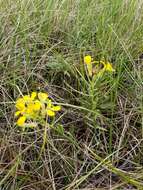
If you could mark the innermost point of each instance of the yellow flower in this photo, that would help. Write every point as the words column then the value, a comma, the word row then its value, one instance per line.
column 27, row 98
column 33, row 95
column 42, row 96
column 34, row 107
column 30, row 108
column 87, row 59
column 37, row 105
column 21, row 121
column 106, row 67
column 50, row 113
column 56, row 108
column 20, row 104
column 17, row 113
column 51, row 109
column 31, row 111
column 109, row 67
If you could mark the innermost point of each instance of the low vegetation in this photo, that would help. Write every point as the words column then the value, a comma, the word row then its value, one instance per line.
column 82, row 60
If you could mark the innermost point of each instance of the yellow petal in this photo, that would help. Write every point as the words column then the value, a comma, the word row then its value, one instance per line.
column 21, row 121
column 20, row 104
column 33, row 95
column 23, row 111
column 27, row 98
column 42, row 96
column 109, row 67
column 31, row 106
column 37, row 105
column 50, row 113
column 30, row 113
column 87, row 59
column 56, row 108
column 30, row 110
column 17, row 113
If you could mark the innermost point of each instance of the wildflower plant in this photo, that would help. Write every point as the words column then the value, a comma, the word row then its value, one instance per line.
column 96, row 86
column 33, row 109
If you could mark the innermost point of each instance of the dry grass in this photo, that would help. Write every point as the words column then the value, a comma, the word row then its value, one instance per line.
column 42, row 48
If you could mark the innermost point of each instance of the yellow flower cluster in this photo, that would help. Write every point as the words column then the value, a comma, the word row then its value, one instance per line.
column 89, row 63
column 32, row 107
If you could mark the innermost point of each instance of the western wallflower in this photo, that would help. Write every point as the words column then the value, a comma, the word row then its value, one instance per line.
column 88, row 62
column 27, row 98
column 20, row 104
column 51, row 109
column 32, row 108
column 56, row 108
column 109, row 67
column 42, row 96
column 50, row 113
column 21, row 121
column 87, row 59
column 17, row 113
column 33, row 95
column 37, row 105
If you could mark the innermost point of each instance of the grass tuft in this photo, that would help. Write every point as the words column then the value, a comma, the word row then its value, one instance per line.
column 96, row 140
